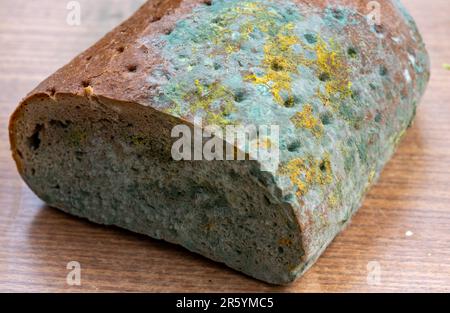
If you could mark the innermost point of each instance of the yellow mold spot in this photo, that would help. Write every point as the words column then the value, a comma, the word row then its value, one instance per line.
column 305, row 173
column 333, row 70
column 333, row 200
column 205, row 97
column 258, row 16
column 285, row 242
column 306, row 119
column 263, row 143
column 280, row 62
column 89, row 91
column 371, row 176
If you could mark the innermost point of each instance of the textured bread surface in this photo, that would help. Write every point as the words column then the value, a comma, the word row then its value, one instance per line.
column 94, row 139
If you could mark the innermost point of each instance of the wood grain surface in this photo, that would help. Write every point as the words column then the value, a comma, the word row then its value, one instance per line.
column 401, row 235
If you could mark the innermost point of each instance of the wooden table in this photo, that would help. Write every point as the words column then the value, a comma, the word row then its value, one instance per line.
column 398, row 241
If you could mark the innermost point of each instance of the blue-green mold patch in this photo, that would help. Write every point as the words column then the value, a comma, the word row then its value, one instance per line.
column 273, row 62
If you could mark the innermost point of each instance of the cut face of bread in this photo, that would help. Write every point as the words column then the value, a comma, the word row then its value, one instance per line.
column 96, row 138
column 105, row 160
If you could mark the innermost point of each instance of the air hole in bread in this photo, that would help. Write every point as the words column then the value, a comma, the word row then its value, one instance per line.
column 85, row 83
column 51, row 91
column 276, row 66
column 132, row 68
column 352, row 52
column 294, row 146
column 156, row 19
column 338, row 14
column 324, row 77
column 379, row 29
column 121, row 49
column 290, row 102
column 383, row 70
column 311, row 38
column 326, row 118
column 239, row 95
column 323, row 167
column 34, row 141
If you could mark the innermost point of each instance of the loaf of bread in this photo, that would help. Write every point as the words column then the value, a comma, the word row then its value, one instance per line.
column 341, row 83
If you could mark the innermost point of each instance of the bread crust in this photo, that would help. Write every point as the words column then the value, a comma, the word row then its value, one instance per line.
column 117, row 65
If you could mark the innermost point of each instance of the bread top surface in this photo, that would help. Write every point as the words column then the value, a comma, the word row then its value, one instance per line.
column 119, row 65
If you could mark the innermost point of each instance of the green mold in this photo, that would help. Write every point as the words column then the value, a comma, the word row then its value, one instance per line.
column 263, row 62
column 271, row 62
